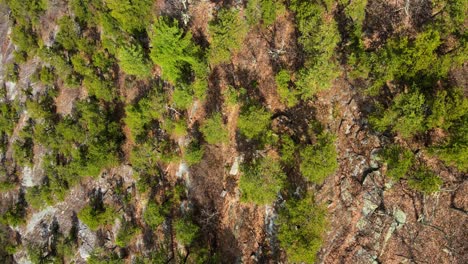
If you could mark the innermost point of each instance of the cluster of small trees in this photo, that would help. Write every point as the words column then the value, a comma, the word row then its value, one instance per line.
column 79, row 145
column 107, row 38
column 413, row 71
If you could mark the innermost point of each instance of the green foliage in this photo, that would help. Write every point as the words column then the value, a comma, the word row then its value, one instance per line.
column 214, row 130
column 316, row 77
column 454, row 150
column 193, row 153
column 15, row 214
column 105, row 135
column 140, row 115
column 173, row 50
column 8, row 247
column 25, row 16
column 227, row 33
column 253, row 121
column 182, row 98
column 425, row 181
column 23, row 151
column 302, row 224
column 6, row 185
column 158, row 256
column 405, row 115
column 311, row 22
column 356, row 10
column 132, row 61
column 79, row 145
column 81, row 65
column 401, row 165
column 144, row 159
column 111, row 35
column 60, row 249
column 399, row 161
column 67, row 36
column 287, row 94
column 27, row 12
column 450, row 16
column 43, row 108
column 54, row 189
column 264, row 11
column 288, row 150
column 34, row 197
column 46, row 75
column 261, row 181
column 319, row 38
column 24, row 37
column 20, row 56
column 9, row 115
column 94, row 218
column 132, row 16
column 102, row 60
column 447, row 108
column 203, row 255
column 82, row 12
column 186, row 231
column 61, row 66
column 99, row 88
column 154, row 214
column 232, row 96
column 318, row 161
column 126, row 233
column 411, row 61
column 12, row 72
column 104, row 256
column 176, row 128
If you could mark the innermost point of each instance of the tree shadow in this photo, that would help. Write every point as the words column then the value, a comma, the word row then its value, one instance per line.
column 214, row 99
